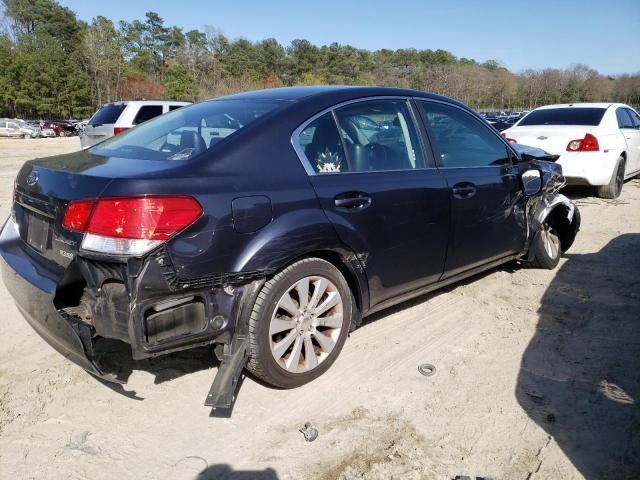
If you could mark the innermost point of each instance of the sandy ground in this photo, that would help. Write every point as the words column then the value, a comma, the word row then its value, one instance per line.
column 537, row 378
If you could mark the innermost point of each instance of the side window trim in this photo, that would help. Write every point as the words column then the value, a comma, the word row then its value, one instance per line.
column 295, row 137
column 434, row 144
column 343, row 142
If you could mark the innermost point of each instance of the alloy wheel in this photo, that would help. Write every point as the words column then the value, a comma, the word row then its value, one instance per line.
column 551, row 242
column 306, row 324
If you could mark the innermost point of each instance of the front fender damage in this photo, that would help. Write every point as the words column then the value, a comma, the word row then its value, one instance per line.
column 557, row 211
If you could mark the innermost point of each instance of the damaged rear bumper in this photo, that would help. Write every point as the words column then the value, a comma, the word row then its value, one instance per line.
column 136, row 301
column 33, row 287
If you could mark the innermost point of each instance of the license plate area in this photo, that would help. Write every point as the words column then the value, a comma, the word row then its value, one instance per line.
column 38, row 232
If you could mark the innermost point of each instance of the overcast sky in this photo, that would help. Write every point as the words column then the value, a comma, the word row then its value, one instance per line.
column 519, row 34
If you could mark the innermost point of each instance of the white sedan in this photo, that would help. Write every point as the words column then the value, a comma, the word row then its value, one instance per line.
column 598, row 143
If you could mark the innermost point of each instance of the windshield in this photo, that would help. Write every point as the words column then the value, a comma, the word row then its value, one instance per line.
column 564, row 116
column 188, row 132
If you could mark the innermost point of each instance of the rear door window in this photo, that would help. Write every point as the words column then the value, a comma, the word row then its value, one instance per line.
column 174, row 107
column 108, row 114
column 380, row 135
column 147, row 112
column 564, row 116
column 322, row 146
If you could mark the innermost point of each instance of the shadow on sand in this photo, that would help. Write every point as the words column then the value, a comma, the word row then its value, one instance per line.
column 225, row 472
column 580, row 374
column 114, row 357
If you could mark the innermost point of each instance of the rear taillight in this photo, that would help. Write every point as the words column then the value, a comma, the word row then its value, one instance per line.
column 130, row 226
column 587, row 144
column 119, row 130
column 77, row 215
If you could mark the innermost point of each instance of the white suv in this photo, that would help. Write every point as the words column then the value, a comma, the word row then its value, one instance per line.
column 114, row 118
column 598, row 143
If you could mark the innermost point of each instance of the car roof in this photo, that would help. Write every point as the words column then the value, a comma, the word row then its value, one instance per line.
column 145, row 102
column 294, row 94
column 579, row 105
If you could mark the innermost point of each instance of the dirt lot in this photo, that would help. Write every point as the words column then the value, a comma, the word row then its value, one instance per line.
column 537, row 378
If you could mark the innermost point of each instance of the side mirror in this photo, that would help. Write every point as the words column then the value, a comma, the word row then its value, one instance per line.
column 532, row 182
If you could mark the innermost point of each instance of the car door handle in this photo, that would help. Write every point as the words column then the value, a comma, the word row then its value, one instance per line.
column 352, row 200
column 464, row 190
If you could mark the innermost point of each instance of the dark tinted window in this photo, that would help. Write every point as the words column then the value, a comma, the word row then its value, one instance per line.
column 107, row 114
column 174, row 107
column 464, row 141
column 564, row 116
column 624, row 120
column 634, row 117
column 147, row 112
column 380, row 135
column 322, row 146
column 185, row 133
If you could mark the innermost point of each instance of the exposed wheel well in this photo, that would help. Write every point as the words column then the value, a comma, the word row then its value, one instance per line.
column 566, row 230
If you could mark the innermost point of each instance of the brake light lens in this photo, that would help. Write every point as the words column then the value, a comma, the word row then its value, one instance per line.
column 119, row 130
column 130, row 225
column 77, row 215
column 587, row 144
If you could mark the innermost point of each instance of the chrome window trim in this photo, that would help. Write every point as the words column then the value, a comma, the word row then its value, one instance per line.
column 295, row 136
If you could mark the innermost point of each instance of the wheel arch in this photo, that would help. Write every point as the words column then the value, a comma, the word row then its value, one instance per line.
column 349, row 265
column 558, row 218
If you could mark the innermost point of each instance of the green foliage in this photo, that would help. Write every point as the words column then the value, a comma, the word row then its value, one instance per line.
column 179, row 85
column 53, row 65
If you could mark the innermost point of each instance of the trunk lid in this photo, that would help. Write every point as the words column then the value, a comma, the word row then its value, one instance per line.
column 552, row 138
column 44, row 187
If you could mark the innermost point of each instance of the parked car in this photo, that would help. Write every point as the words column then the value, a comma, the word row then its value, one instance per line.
column 10, row 129
column 598, row 143
column 117, row 117
column 29, row 130
column 52, row 127
column 66, row 128
column 25, row 130
column 269, row 223
column 49, row 132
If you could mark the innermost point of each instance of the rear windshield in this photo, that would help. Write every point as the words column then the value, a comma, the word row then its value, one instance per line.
column 188, row 132
column 564, row 116
column 107, row 114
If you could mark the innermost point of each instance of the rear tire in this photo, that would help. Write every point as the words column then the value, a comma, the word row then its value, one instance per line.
column 614, row 187
column 546, row 249
column 62, row 134
column 292, row 338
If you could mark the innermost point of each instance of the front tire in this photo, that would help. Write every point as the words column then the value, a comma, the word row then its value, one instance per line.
column 614, row 187
column 299, row 323
column 62, row 134
column 546, row 248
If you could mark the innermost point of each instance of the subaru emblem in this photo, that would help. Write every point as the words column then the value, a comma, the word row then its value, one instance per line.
column 33, row 178
column 542, row 137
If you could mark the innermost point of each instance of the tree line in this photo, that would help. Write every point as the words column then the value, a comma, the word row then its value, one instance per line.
column 54, row 65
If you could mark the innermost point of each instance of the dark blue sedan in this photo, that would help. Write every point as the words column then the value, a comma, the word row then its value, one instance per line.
column 269, row 223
